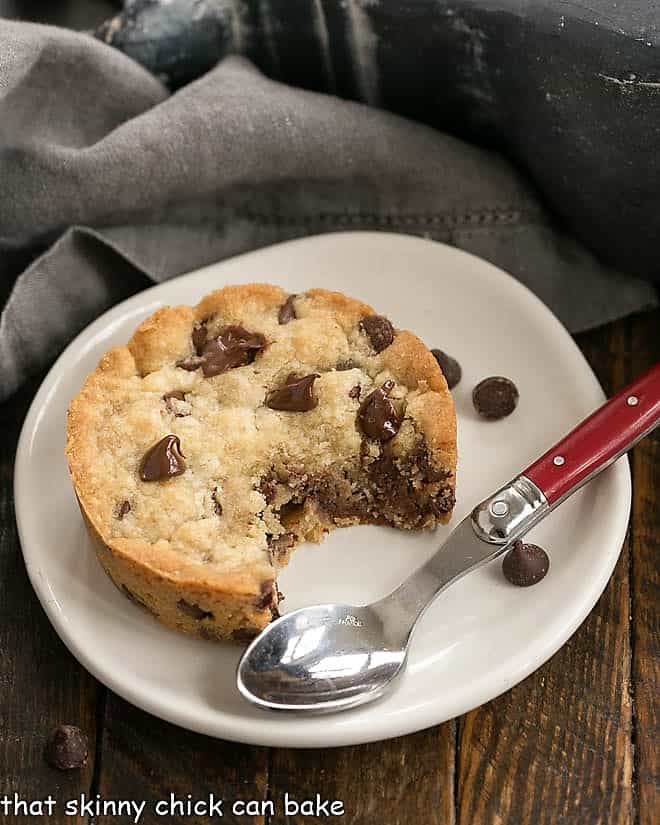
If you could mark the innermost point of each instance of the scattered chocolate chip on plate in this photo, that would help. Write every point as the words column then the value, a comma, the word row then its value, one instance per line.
column 495, row 397
column 450, row 367
column 525, row 564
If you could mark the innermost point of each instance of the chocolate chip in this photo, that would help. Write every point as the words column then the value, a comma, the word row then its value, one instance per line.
column 245, row 634
column 163, row 460
column 450, row 367
column 495, row 397
column 268, row 595
column 234, row 347
column 193, row 610
column 378, row 417
column 379, row 330
column 287, row 311
column 525, row 564
column 178, row 395
column 122, row 509
column 67, row 748
column 297, row 394
column 217, row 506
column 354, row 392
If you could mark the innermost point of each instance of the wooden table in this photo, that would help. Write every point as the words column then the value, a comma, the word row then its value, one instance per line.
column 576, row 743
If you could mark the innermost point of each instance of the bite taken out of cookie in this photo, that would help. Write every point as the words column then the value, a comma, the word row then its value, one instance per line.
column 223, row 435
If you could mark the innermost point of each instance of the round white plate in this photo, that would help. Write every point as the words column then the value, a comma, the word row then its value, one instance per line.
column 479, row 638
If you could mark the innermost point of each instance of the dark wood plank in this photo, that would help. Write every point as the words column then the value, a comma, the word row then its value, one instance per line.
column 558, row 747
column 41, row 684
column 402, row 781
column 145, row 759
column 645, row 350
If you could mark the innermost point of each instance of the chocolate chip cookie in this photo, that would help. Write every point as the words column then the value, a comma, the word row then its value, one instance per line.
column 225, row 434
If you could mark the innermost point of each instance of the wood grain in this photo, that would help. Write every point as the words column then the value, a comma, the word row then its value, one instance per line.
column 143, row 758
column 558, row 747
column 645, row 349
column 41, row 685
column 405, row 781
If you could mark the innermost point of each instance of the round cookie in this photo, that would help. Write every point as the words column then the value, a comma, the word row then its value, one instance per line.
column 224, row 434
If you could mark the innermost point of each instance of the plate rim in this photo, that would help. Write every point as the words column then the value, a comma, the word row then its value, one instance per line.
column 241, row 729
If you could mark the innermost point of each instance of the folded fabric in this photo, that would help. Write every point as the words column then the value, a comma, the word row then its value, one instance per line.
column 109, row 183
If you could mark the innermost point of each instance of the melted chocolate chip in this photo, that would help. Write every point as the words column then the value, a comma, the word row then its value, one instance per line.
column 67, row 748
column 378, row 417
column 268, row 595
column 355, row 392
column 287, row 311
column 217, row 506
column 525, row 564
column 179, row 396
column 379, row 330
column 297, row 394
column 495, row 397
column 193, row 610
column 122, row 509
column 234, row 347
column 163, row 460
column 450, row 367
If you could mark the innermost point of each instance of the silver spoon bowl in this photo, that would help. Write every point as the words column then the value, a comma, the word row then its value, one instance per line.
column 327, row 657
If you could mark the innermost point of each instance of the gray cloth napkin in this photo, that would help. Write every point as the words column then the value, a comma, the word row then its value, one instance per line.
column 109, row 183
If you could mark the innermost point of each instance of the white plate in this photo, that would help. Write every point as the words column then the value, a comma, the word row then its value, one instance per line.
column 482, row 636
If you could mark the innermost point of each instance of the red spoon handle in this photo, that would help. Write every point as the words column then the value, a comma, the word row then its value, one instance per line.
column 600, row 439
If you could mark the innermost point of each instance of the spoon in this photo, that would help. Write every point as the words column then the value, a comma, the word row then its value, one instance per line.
column 331, row 657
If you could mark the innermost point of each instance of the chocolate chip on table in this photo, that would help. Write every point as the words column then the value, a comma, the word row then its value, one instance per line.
column 354, row 392
column 495, row 397
column 450, row 367
column 234, row 347
column 378, row 418
column 525, row 564
column 193, row 610
column 163, row 460
column 287, row 311
column 67, row 748
column 122, row 509
column 297, row 394
column 217, row 506
column 178, row 395
column 379, row 330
